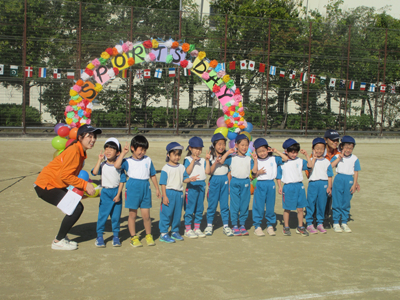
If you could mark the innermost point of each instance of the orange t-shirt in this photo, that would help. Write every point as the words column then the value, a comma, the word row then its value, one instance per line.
column 63, row 170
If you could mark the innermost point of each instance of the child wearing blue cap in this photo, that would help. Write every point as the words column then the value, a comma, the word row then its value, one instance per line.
column 112, row 182
column 218, row 186
column 171, row 179
column 265, row 193
column 345, row 183
column 293, row 193
column 319, row 186
column 240, row 166
column 139, row 169
column 195, row 189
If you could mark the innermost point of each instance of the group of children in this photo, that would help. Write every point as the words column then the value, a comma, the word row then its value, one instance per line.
column 230, row 172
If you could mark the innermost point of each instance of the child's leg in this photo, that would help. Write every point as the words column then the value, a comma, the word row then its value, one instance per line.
column 166, row 214
column 198, row 213
column 190, row 205
column 300, row 216
column 213, row 195
column 301, row 203
column 345, row 208
column 146, row 219
column 321, row 201
column 132, row 221
column 224, row 201
column 177, row 213
column 270, row 203
column 259, row 200
column 235, row 200
column 115, row 217
column 312, row 195
column 245, row 201
column 105, row 208
column 286, row 214
column 337, row 196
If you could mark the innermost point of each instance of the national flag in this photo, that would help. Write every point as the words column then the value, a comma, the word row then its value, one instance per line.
column 383, row 88
column 139, row 74
column 243, row 65
column 393, row 89
column 220, row 67
column 28, row 71
column 312, row 78
column 158, row 73
column 1, row 69
column 272, row 70
column 251, row 65
column 371, row 88
column 232, row 65
column 56, row 73
column 303, row 76
column 147, row 73
column 42, row 73
column 351, row 85
column 363, row 85
column 124, row 73
column 282, row 73
column 171, row 72
column 13, row 71
column 70, row 75
column 186, row 72
column 322, row 80
column 292, row 74
column 332, row 82
column 342, row 83
column 261, row 68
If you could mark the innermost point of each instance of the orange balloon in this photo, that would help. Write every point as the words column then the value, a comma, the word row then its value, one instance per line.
column 251, row 189
column 73, row 132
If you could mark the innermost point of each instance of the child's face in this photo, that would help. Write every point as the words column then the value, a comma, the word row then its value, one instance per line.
column 88, row 141
column 196, row 151
column 319, row 150
column 262, row 152
column 139, row 152
column 174, row 158
column 110, row 153
column 347, row 149
column 220, row 146
column 293, row 154
column 242, row 146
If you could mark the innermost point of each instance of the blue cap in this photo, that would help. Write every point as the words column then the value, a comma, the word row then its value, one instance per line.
column 348, row 139
column 288, row 143
column 195, row 142
column 174, row 146
column 260, row 142
column 318, row 141
column 217, row 137
column 331, row 134
column 240, row 137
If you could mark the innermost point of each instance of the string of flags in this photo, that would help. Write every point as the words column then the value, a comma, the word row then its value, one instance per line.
column 244, row 65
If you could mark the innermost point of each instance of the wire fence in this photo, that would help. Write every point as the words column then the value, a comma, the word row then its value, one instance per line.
column 293, row 75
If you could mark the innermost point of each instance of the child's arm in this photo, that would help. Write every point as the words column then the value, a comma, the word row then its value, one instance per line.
column 154, row 179
column 329, row 189
column 337, row 160
column 120, row 188
column 304, row 152
column 190, row 179
column 214, row 165
column 227, row 153
column 254, row 170
column 96, row 168
column 355, row 186
column 282, row 155
column 208, row 168
column 279, row 186
column 165, row 199
column 190, row 167
column 120, row 158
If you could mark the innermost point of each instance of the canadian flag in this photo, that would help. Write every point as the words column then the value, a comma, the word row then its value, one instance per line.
column 383, row 88
column 147, row 74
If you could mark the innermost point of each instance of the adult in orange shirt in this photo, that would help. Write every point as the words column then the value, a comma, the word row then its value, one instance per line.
column 52, row 182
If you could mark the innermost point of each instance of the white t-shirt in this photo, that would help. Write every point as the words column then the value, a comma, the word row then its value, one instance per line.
column 172, row 177
column 321, row 171
column 240, row 166
column 347, row 165
column 292, row 170
column 139, row 168
column 199, row 167
column 219, row 169
column 270, row 164
column 110, row 176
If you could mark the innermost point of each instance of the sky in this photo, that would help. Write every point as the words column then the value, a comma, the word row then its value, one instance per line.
column 394, row 12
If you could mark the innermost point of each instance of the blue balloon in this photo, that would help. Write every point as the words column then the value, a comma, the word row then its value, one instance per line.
column 232, row 135
column 248, row 153
column 249, row 127
column 84, row 175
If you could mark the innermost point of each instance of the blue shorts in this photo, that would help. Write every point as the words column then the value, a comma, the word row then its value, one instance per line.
column 294, row 196
column 138, row 194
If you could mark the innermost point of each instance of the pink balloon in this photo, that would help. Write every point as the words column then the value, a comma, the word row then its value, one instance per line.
column 221, row 122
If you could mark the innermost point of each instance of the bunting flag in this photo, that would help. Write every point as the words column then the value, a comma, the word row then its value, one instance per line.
column 342, row 84
column 372, row 87
column 383, row 88
column 272, row 70
column 56, row 73
column 124, row 73
column 251, row 65
column 186, row 72
column 70, row 75
column 312, row 78
column 303, row 76
column 139, row 74
column 1, row 69
column 261, row 68
column 243, row 65
column 13, row 71
column 363, row 85
column 171, row 72
column 147, row 74
column 42, row 73
column 282, row 72
column 28, row 71
column 393, row 89
column 158, row 73
column 292, row 74
column 322, row 80
column 351, row 85
column 332, row 83
column 232, row 65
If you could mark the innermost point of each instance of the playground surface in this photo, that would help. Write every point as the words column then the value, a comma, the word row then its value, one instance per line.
column 364, row 264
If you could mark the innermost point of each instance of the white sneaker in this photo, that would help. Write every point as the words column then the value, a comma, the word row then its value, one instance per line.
column 336, row 228
column 228, row 231
column 271, row 231
column 346, row 228
column 199, row 233
column 63, row 245
column 71, row 242
column 259, row 232
column 190, row 234
column 208, row 230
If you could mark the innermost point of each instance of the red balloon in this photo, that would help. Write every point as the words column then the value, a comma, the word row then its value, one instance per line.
column 63, row 131
column 69, row 142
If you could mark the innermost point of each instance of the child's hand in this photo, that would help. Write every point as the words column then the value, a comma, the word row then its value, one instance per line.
column 340, row 155
column 329, row 191
column 158, row 194
column 358, row 188
column 280, row 191
column 90, row 189
column 218, row 160
column 254, row 155
column 313, row 154
column 261, row 171
column 304, row 152
column 353, row 189
column 273, row 150
column 101, row 155
column 117, row 198
column 165, row 201
column 208, row 155
column 125, row 150
column 231, row 151
column 195, row 158
column 194, row 178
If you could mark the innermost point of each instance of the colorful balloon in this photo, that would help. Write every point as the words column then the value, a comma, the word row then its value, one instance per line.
column 251, row 146
column 84, row 175
column 222, row 130
column 63, row 131
column 96, row 192
column 221, row 122
column 69, row 142
column 72, row 133
column 247, row 134
column 232, row 135
column 57, row 153
column 231, row 144
column 58, row 127
column 58, row 143
column 249, row 127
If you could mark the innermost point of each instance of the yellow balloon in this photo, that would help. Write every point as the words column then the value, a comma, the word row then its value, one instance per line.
column 247, row 134
column 223, row 130
column 96, row 193
column 57, row 153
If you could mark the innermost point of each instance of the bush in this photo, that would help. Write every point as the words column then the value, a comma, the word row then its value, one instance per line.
column 11, row 115
column 102, row 118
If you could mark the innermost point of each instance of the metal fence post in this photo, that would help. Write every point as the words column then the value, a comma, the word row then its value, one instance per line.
column 266, row 91
column 347, row 81
column 79, row 50
column 179, row 77
column 24, row 42
column 384, row 73
column 308, row 81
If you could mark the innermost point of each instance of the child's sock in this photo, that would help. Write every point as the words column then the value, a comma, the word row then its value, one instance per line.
column 196, row 226
column 209, row 225
column 188, row 227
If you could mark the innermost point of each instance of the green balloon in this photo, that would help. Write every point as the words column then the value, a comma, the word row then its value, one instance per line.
column 254, row 182
column 169, row 59
column 58, row 143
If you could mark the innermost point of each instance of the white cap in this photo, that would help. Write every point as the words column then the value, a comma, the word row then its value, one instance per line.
column 114, row 140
